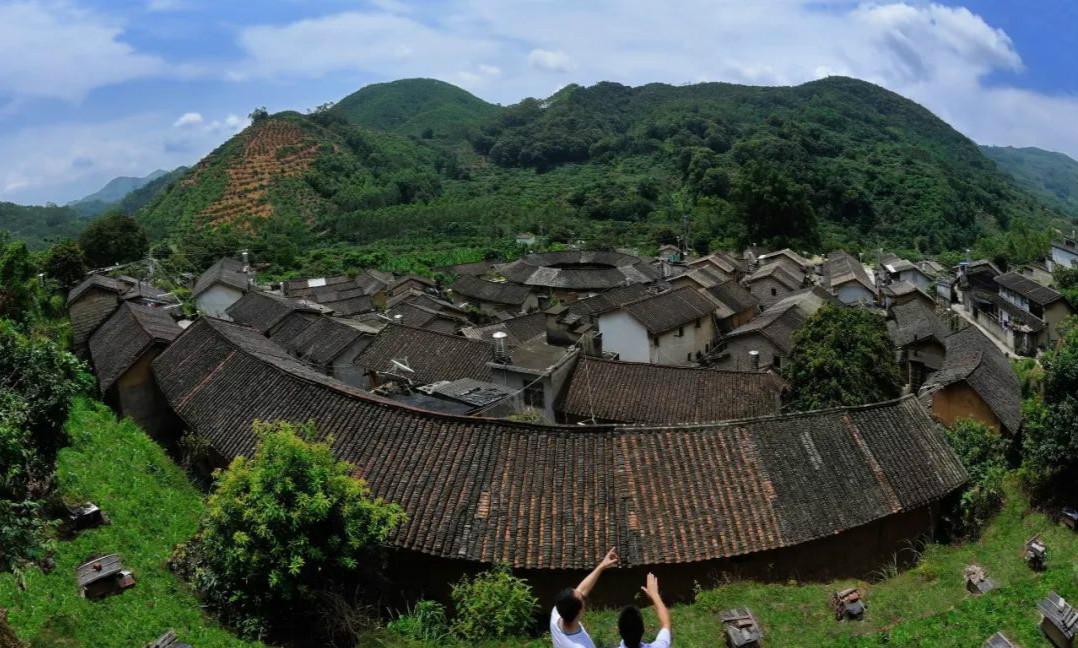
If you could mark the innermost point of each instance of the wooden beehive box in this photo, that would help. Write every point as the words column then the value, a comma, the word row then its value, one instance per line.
column 1059, row 620
column 1036, row 553
column 977, row 581
column 84, row 516
column 103, row 577
column 741, row 629
column 848, row 605
column 998, row 640
column 1070, row 518
column 168, row 640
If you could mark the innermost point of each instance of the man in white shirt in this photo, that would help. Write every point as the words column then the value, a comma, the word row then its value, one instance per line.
column 566, row 631
column 631, row 622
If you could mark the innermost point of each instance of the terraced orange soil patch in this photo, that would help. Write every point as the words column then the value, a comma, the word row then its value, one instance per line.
column 250, row 174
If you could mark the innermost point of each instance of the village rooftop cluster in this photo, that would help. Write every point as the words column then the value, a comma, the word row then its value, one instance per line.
column 659, row 376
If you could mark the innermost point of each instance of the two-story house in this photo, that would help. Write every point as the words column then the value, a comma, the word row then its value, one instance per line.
column 673, row 328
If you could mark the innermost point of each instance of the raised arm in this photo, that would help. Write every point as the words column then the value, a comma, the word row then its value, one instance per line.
column 609, row 560
column 652, row 590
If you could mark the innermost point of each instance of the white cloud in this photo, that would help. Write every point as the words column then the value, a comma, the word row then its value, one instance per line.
column 372, row 42
column 188, row 119
column 58, row 51
column 550, row 61
column 61, row 162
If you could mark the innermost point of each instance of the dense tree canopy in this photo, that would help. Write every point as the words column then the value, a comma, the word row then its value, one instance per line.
column 1050, row 441
column 114, row 238
column 283, row 525
column 841, row 356
column 65, row 263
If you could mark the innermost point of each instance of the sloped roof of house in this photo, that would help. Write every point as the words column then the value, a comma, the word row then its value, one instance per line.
column 973, row 358
column 669, row 310
column 842, row 268
column 323, row 340
column 782, row 272
column 100, row 282
column 578, row 270
column 1026, row 287
column 263, row 311
column 705, row 276
column 497, row 491
column 432, row 356
column 631, row 392
column 229, row 272
column 787, row 253
column 724, row 261
column 503, row 292
column 604, row 302
column 914, row 321
column 734, row 296
column 518, row 329
column 292, row 325
column 776, row 324
column 118, row 343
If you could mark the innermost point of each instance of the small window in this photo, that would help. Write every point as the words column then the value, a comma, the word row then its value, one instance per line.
column 774, row 292
column 680, row 331
column 688, row 356
column 699, row 322
column 534, row 396
column 655, row 340
column 777, row 361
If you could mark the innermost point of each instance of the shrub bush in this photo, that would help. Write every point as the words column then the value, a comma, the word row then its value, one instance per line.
column 426, row 622
column 983, row 452
column 492, row 604
column 282, row 526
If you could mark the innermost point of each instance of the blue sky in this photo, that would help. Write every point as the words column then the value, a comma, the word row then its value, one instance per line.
column 94, row 89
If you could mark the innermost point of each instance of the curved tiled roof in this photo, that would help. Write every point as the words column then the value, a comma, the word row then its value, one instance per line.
column 431, row 355
column 125, row 336
column 637, row 392
column 973, row 358
column 578, row 270
column 229, row 272
column 490, row 291
column 557, row 497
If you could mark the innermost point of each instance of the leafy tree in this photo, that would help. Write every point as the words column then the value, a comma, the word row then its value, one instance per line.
column 1067, row 281
column 37, row 384
column 841, row 356
column 282, row 525
column 775, row 208
column 66, row 263
column 1050, row 440
column 492, row 604
column 113, row 238
column 18, row 284
column 260, row 113
column 983, row 452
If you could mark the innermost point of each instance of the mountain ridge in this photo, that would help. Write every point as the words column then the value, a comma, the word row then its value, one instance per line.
column 1051, row 175
column 834, row 162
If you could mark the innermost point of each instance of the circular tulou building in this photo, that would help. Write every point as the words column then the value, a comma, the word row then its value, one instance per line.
column 575, row 271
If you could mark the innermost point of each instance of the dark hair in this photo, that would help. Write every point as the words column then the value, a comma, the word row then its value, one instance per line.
column 631, row 627
column 568, row 605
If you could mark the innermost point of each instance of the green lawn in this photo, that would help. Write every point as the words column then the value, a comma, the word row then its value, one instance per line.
column 152, row 507
column 924, row 606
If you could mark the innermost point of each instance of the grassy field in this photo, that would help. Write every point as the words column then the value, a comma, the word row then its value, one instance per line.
column 152, row 507
column 923, row 606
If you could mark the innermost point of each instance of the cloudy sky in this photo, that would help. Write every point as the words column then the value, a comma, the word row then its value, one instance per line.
column 95, row 89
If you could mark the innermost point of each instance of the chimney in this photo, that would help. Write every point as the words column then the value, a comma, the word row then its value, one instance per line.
column 501, row 348
column 754, row 359
column 247, row 269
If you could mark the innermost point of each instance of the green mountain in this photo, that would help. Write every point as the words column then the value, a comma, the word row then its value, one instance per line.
column 836, row 162
column 113, row 192
column 421, row 107
column 40, row 226
column 1052, row 177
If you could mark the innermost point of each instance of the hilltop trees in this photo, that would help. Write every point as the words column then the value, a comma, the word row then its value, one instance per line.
column 841, row 356
column 283, row 525
column 113, row 238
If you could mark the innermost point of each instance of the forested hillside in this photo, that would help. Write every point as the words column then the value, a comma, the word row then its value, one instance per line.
column 39, row 226
column 837, row 162
column 112, row 193
column 1051, row 176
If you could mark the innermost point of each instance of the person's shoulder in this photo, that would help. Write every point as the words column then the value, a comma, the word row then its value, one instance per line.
column 663, row 639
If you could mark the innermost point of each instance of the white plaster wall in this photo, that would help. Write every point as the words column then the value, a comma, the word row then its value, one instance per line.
column 853, row 292
column 214, row 301
column 625, row 336
column 674, row 350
